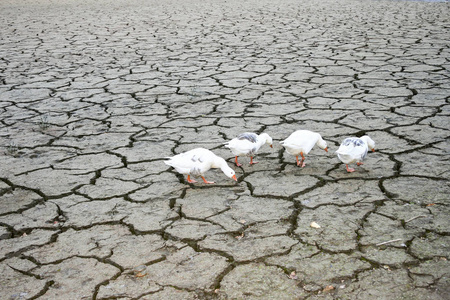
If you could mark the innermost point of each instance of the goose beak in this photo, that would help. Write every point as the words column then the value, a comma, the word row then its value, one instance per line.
column 271, row 146
column 326, row 149
column 234, row 177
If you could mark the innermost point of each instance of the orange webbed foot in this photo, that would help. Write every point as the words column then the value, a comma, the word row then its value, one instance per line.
column 190, row 180
column 302, row 162
column 206, row 181
column 349, row 169
column 252, row 162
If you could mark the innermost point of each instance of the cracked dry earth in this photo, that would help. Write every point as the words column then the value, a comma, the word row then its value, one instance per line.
column 94, row 95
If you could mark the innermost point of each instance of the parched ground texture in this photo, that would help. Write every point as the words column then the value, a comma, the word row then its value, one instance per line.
column 95, row 94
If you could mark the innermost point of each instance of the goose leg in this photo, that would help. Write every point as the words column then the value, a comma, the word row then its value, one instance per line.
column 349, row 169
column 190, row 180
column 251, row 161
column 300, row 162
column 206, row 181
column 303, row 160
column 236, row 161
column 359, row 163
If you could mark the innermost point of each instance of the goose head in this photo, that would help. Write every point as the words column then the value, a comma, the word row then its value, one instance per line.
column 222, row 164
column 268, row 140
column 370, row 143
column 322, row 144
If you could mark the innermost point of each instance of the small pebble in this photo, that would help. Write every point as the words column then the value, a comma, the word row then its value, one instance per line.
column 314, row 225
column 140, row 271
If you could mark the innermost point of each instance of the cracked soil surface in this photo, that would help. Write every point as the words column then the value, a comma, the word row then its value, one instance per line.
column 95, row 94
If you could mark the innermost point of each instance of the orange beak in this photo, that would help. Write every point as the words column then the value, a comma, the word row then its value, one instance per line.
column 234, row 177
column 326, row 149
column 271, row 146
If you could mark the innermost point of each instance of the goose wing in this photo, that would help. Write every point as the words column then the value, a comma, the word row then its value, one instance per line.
column 249, row 136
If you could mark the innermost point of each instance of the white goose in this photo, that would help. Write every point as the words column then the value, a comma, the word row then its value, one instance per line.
column 247, row 144
column 301, row 142
column 354, row 149
column 196, row 162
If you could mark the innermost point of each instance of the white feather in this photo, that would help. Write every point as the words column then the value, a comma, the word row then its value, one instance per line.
column 354, row 150
column 198, row 161
column 243, row 145
column 303, row 141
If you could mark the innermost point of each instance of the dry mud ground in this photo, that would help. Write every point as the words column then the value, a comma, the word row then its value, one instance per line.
column 94, row 95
